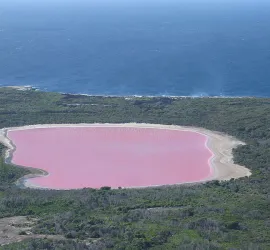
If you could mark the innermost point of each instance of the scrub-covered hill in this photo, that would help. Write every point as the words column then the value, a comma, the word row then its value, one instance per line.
column 216, row 215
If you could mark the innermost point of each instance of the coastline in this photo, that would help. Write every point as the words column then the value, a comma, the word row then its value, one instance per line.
column 220, row 145
column 130, row 97
column 21, row 88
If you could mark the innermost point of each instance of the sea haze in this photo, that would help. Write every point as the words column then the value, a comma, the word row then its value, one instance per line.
column 117, row 47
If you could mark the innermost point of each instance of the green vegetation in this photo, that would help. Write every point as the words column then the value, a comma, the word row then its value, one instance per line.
column 8, row 173
column 215, row 215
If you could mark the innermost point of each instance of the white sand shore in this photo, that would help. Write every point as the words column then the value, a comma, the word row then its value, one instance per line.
column 22, row 88
column 221, row 145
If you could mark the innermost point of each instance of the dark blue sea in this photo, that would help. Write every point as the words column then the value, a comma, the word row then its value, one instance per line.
column 137, row 47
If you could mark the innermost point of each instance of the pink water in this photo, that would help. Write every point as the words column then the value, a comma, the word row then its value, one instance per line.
column 128, row 157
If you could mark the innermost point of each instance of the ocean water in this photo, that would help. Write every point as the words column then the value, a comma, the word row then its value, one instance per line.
column 118, row 47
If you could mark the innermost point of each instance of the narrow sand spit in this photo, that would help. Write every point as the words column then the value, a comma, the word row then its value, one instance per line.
column 221, row 145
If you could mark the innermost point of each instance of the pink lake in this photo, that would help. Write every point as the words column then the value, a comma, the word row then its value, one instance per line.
column 78, row 157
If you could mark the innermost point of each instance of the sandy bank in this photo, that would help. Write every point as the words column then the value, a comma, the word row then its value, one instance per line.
column 223, row 167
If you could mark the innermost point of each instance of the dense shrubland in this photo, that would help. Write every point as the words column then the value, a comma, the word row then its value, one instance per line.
column 215, row 215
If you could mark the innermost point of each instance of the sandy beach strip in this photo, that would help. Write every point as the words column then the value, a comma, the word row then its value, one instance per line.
column 221, row 145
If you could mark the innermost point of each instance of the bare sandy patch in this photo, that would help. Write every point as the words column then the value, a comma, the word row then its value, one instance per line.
column 221, row 145
column 19, row 228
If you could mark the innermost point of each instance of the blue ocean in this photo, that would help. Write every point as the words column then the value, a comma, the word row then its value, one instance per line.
column 136, row 47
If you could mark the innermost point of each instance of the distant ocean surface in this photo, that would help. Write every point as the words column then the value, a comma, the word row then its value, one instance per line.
column 161, row 47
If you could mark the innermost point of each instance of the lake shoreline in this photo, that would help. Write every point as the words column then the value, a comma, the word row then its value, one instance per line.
column 221, row 163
